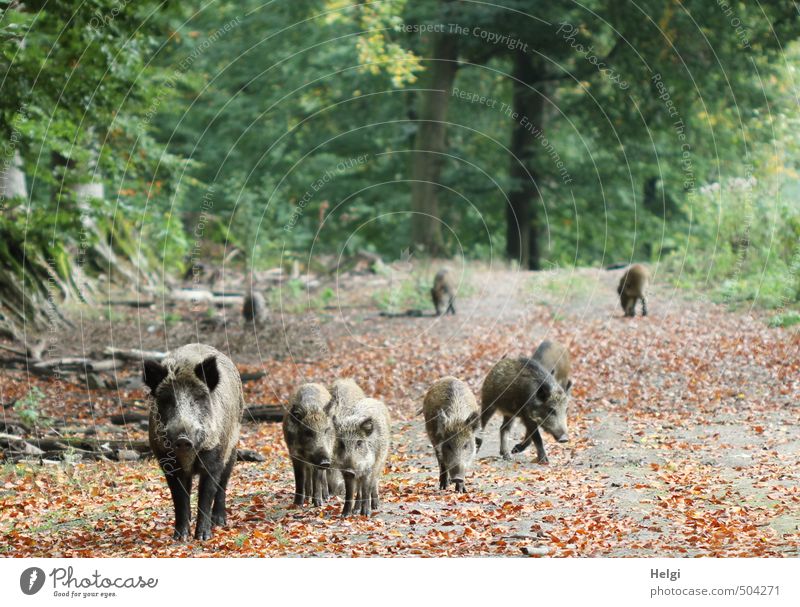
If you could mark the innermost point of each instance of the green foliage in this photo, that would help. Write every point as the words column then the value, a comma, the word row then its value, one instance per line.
column 287, row 127
column 787, row 319
column 404, row 293
column 28, row 408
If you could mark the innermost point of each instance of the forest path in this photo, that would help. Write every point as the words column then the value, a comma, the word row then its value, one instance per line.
column 684, row 429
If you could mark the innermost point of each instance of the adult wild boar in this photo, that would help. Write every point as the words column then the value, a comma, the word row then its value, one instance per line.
column 196, row 411
column 451, row 420
column 362, row 445
column 522, row 388
column 309, row 434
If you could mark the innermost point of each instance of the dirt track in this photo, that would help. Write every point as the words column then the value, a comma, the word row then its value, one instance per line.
column 684, row 425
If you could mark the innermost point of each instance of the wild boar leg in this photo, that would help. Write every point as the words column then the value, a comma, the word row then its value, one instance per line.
column 532, row 435
column 366, row 496
column 308, row 482
column 324, row 486
column 505, row 429
column 180, row 486
column 299, row 469
column 630, row 306
column 444, row 476
column 644, row 306
column 374, row 495
column 486, row 415
column 320, row 486
column 349, row 494
column 450, row 307
column 219, row 516
column 210, row 475
column 541, row 454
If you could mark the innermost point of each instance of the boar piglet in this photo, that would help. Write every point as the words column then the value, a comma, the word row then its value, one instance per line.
column 522, row 388
column 443, row 292
column 362, row 445
column 195, row 415
column 554, row 357
column 345, row 392
column 309, row 434
column 451, row 420
column 632, row 288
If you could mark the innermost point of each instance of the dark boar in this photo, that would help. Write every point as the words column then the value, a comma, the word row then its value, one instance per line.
column 254, row 308
column 309, row 434
column 633, row 287
column 362, row 445
column 194, row 427
column 522, row 388
column 555, row 358
column 443, row 292
column 451, row 420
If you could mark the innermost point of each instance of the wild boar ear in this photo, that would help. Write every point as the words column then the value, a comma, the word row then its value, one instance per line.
column 153, row 373
column 328, row 407
column 367, row 426
column 569, row 386
column 208, row 372
column 297, row 412
column 474, row 420
column 543, row 392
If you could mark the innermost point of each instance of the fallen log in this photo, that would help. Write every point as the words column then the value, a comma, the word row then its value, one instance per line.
column 129, row 417
column 248, row 455
column 68, row 363
column 264, row 413
column 134, row 354
column 20, row 445
column 252, row 376
column 130, row 303
column 255, row 413
column 14, row 351
column 407, row 313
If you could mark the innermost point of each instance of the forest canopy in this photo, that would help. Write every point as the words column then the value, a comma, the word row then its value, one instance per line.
column 139, row 137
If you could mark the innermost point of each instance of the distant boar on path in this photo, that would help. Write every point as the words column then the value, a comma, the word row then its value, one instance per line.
column 633, row 287
column 194, row 427
column 443, row 292
column 522, row 388
column 451, row 419
column 254, row 308
column 309, row 434
column 362, row 446
column 555, row 358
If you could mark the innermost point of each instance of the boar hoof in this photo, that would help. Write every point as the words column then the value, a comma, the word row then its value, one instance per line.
column 202, row 534
column 543, row 460
column 219, row 520
column 460, row 487
column 181, row 535
column 518, row 448
column 506, row 456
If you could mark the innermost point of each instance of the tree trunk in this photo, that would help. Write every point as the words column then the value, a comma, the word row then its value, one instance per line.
column 429, row 144
column 522, row 228
column 12, row 180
